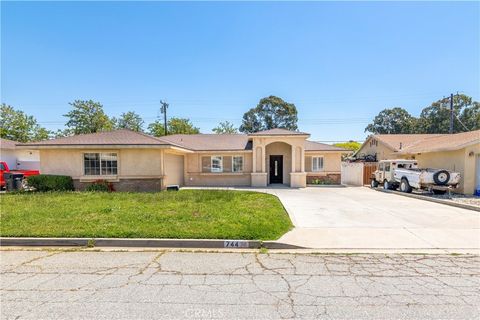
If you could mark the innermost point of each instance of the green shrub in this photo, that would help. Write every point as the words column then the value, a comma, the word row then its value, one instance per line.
column 47, row 182
column 100, row 186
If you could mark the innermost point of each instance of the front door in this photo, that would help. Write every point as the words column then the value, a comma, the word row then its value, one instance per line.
column 276, row 169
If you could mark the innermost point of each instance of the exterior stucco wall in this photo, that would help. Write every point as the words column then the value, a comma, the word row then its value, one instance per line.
column 195, row 177
column 331, row 162
column 459, row 161
column 132, row 163
column 280, row 149
column 174, row 169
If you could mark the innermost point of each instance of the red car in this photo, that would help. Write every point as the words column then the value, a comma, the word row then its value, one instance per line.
column 4, row 169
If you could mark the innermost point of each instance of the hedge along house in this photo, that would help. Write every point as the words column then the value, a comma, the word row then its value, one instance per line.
column 138, row 162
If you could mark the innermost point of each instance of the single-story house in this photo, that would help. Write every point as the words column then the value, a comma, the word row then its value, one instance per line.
column 18, row 159
column 458, row 152
column 136, row 161
column 387, row 146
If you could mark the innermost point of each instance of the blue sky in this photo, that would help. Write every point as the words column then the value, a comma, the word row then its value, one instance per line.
column 339, row 62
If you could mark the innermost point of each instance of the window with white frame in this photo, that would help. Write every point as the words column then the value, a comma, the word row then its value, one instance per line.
column 237, row 164
column 317, row 163
column 100, row 164
column 216, row 164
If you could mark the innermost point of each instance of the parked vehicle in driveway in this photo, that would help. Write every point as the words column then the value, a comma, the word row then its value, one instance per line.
column 405, row 175
column 5, row 169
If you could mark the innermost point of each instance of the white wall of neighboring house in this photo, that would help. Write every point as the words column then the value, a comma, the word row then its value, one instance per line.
column 9, row 156
column 21, row 159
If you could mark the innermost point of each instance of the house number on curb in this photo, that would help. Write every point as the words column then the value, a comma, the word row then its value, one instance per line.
column 235, row 244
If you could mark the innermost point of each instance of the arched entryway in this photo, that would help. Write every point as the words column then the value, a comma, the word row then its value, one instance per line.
column 278, row 161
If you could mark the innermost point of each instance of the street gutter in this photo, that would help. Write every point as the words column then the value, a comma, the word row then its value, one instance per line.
column 143, row 243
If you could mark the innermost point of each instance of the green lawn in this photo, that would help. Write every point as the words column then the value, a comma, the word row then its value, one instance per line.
column 198, row 214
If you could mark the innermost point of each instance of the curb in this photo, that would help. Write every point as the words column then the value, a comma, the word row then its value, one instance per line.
column 144, row 243
column 118, row 242
column 420, row 197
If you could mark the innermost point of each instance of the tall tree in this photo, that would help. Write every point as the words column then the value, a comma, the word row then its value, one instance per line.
column 392, row 121
column 129, row 120
column 18, row 126
column 436, row 117
column 225, row 128
column 175, row 126
column 87, row 116
column 271, row 112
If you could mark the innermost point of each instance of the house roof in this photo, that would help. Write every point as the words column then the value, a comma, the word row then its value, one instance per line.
column 279, row 132
column 317, row 146
column 117, row 137
column 211, row 142
column 7, row 144
column 397, row 142
column 444, row 142
column 194, row 142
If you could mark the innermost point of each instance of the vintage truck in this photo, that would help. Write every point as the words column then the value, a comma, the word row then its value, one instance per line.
column 405, row 175
column 5, row 169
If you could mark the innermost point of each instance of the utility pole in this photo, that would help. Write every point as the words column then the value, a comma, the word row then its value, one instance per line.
column 451, row 113
column 163, row 109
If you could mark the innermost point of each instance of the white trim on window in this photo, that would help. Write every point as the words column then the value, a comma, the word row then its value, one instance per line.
column 219, row 166
column 100, row 163
column 317, row 163
column 241, row 164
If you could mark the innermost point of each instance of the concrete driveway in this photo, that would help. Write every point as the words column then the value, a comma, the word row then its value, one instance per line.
column 361, row 218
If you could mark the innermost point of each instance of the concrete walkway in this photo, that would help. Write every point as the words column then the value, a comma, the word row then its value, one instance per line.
column 360, row 218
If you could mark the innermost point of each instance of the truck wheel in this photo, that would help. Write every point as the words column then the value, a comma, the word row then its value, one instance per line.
column 374, row 183
column 386, row 185
column 441, row 177
column 405, row 186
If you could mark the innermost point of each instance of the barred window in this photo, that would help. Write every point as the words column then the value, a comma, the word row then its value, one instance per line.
column 237, row 164
column 100, row 164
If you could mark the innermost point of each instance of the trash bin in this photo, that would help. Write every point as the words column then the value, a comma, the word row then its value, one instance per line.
column 8, row 181
column 17, row 181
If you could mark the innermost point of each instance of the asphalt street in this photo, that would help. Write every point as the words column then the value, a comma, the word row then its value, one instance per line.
column 195, row 285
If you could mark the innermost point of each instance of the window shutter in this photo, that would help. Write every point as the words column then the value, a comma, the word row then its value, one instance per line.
column 206, row 164
column 227, row 164
column 308, row 164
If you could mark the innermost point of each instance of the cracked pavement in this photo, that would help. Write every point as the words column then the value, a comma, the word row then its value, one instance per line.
column 245, row 285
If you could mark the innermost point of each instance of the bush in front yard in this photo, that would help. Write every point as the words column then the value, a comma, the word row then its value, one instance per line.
column 47, row 182
column 100, row 186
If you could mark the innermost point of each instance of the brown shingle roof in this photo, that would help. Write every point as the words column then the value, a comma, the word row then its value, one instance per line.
column 317, row 146
column 279, row 132
column 117, row 137
column 211, row 142
column 393, row 141
column 7, row 144
column 195, row 142
column 444, row 142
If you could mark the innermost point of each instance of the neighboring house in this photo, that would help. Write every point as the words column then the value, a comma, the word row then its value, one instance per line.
column 387, row 146
column 457, row 152
column 18, row 159
column 136, row 161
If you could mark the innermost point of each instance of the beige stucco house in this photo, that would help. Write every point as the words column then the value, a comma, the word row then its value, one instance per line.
column 136, row 161
column 458, row 152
